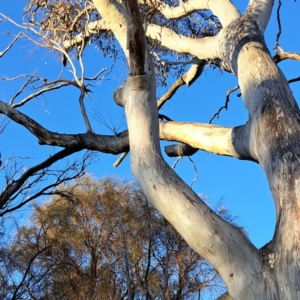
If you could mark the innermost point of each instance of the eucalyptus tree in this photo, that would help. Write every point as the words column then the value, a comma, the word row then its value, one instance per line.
column 198, row 33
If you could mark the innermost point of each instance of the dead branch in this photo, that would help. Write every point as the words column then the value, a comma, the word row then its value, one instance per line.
column 188, row 78
column 113, row 144
column 27, row 187
column 225, row 106
column 280, row 56
column 15, row 186
column 120, row 159
column 83, row 111
column 180, row 150
column 277, row 46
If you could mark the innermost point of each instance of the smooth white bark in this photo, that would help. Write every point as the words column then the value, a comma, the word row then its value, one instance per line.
column 113, row 14
column 215, row 139
column 225, row 10
column 204, row 48
column 260, row 11
column 223, row 245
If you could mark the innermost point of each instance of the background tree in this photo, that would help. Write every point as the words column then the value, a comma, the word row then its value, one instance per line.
column 103, row 240
column 197, row 33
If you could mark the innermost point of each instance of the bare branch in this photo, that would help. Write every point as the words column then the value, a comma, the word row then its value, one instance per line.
column 225, row 106
column 34, row 95
column 10, row 45
column 16, row 184
column 188, row 78
column 279, row 28
column 15, row 294
column 211, row 138
column 196, row 171
column 294, row 80
column 120, row 159
column 114, row 144
column 280, row 56
column 180, row 150
column 83, row 111
column 29, row 192
column 225, row 12
column 205, row 48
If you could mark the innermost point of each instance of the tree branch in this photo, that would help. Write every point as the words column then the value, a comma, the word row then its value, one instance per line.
column 225, row 11
column 113, row 144
column 16, row 184
column 260, row 11
column 286, row 55
column 15, row 294
column 188, row 78
column 2, row 53
column 211, row 138
column 204, row 48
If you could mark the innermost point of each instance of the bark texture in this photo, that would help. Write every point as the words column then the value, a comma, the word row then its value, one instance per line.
column 270, row 137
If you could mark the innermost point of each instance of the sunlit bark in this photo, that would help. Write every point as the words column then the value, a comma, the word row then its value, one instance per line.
column 270, row 137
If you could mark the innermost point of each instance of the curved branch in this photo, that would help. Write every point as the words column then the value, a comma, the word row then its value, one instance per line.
column 260, row 10
column 204, row 48
column 286, row 55
column 188, row 78
column 113, row 144
column 15, row 185
column 225, row 11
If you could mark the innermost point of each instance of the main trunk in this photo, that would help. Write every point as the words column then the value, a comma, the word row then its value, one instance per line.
column 271, row 136
column 273, row 139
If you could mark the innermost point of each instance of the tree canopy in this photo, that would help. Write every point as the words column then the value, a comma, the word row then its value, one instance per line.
column 102, row 240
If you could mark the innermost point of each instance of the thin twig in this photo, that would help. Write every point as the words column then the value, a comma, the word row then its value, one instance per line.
column 176, row 162
column 10, row 45
column 294, row 80
column 195, row 169
column 279, row 29
column 225, row 106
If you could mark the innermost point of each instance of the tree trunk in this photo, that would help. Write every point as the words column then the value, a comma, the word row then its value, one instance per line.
column 271, row 136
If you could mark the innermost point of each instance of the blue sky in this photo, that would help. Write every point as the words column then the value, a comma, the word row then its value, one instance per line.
column 240, row 184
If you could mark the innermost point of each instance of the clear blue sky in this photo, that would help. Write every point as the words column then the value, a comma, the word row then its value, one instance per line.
column 241, row 184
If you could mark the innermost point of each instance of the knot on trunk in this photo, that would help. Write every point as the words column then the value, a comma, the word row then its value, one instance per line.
column 138, row 82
